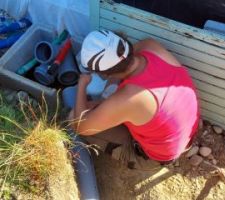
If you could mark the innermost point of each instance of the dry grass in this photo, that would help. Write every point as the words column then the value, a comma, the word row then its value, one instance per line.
column 30, row 147
column 38, row 154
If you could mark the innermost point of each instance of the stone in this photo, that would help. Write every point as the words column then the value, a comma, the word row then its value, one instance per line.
column 22, row 96
column 11, row 97
column 205, row 151
column 33, row 102
column 217, row 129
column 210, row 157
column 193, row 151
column 207, row 125
column 196, row 160
column 214, row 161
column 205, row 133
column 208, row 140
column 195, row 143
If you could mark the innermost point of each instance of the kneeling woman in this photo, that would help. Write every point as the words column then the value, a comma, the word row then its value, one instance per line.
column 155, row 100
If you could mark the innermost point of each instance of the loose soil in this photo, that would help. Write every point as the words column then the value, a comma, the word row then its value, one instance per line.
column 176, row 181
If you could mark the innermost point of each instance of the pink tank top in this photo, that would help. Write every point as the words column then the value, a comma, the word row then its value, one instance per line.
column 170, row 130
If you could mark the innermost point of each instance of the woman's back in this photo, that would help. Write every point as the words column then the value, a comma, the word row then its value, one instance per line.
column 167, row 134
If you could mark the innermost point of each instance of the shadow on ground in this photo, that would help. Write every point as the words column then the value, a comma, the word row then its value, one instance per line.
column 176, row 181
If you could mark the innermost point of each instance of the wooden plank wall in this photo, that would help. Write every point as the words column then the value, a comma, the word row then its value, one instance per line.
column 202, row 52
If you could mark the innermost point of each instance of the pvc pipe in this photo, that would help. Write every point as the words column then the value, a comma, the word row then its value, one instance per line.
column 30, row 64
column 58, row 40
column 42, row 76
column 60, row 57
column 67, row 73
column 82, row 160
column 14, row 26
column 25, row 68
column 45, row 52
column 8, row 42
column 69, row 96
column 84, row 170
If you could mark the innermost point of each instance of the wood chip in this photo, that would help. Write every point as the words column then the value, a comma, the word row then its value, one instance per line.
column 117, row 153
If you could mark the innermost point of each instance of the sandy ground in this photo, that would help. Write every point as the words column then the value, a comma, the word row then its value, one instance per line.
column 176, row 181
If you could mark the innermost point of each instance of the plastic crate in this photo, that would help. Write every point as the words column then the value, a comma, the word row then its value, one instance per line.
column 19, row 54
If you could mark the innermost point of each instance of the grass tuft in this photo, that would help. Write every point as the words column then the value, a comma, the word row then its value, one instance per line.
column 31, row 149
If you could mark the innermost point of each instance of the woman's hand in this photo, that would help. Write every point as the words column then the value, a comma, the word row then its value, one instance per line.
column 84, row 80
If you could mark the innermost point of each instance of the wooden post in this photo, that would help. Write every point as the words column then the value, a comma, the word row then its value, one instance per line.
column 94, row 14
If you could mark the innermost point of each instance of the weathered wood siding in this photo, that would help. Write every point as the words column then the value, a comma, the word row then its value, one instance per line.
column 202, row 52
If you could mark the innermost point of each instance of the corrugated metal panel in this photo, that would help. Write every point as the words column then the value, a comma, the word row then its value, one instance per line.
column 202, row 52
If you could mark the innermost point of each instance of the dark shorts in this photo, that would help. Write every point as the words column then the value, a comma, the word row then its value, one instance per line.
column 120, row 138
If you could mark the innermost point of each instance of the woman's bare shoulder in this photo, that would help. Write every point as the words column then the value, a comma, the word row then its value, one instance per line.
column 156, row 48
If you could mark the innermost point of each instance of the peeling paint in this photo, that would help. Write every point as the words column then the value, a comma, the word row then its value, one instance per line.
column 161, row 24
column 170, row 25
column 201, row 50
column 188, row 35
column 131, row 16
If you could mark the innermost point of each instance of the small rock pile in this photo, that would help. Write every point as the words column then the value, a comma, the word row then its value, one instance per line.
column 197, row 154
column 17, row 97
